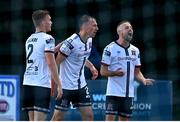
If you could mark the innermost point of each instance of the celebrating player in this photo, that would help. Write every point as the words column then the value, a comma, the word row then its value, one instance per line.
column 120, row 62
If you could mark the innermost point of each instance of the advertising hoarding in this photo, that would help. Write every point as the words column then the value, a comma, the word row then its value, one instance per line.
column 9, row 98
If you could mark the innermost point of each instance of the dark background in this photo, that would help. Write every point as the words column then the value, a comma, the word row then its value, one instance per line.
column 155, row 24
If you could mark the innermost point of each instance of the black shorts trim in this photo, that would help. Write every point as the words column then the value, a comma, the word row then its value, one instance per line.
column 36, row 109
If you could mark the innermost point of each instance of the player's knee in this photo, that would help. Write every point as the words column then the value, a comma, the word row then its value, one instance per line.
column 88, row 116
column 110, row 117
column 57, row 116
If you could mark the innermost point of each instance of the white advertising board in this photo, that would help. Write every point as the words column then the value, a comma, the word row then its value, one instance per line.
column 9, row 98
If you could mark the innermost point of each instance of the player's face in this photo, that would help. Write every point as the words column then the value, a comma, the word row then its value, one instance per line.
column 92, row 28
column 47, row 23
column 127, row 32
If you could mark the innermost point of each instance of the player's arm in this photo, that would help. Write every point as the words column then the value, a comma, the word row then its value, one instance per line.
column 105, row 72
column 54, row 71
column 92, row 69
column 64, row 50
column 56, row 49
column 60, row 58
column 140, row 77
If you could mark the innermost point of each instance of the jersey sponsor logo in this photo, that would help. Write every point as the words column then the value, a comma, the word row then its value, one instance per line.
column 32, row 70
column 31, row 73
column 107, row 53
column 49, row 40
column 126, row 58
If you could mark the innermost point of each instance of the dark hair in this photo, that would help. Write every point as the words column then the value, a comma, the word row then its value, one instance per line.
column 85, row 18
column 38, row 16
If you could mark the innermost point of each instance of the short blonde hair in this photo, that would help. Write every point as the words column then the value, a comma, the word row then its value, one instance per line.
column 119, row 26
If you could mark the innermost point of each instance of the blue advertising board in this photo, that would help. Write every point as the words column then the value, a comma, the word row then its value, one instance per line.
column 150, row 102
column 9, row 97
column 153, row 102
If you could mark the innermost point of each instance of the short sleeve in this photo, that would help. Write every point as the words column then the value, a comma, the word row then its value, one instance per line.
column 50, row 44
column 106, row 56
column 138, row 61
column 67, row 47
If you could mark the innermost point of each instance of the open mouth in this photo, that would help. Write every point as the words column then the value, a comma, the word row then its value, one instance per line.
column 130, row 34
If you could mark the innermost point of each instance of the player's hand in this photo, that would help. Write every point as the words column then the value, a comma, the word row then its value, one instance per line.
column 59, row 92
column 56, row 49
column 94, row 73
column 148, row 81
column 119, row 72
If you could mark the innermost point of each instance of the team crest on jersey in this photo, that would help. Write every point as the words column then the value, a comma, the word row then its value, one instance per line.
column 107, row 53
column 49, row 41
column 133, row 52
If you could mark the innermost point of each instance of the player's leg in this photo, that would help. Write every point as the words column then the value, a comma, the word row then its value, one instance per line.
column 62, row 106
column 122, row 118
column 125, row 108
column 28, row 101
column 58, row 115
column 111, row 108
column 31, row 115
column 110, row 117
column 39, row 116
column 84, row 104
column 42, row 103
column 86, row 113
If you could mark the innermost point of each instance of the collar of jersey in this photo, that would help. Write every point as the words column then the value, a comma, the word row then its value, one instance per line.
column 122, row 46
column 81, row 39
column 40, row 32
